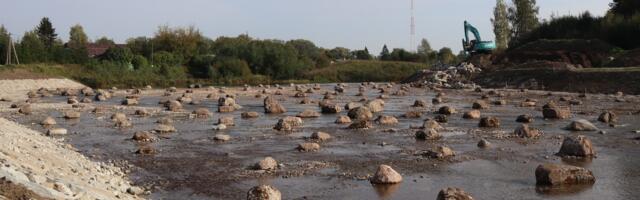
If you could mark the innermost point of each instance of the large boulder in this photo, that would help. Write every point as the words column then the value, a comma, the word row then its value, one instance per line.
column 173, row 106
column 226, row 120
column 272, row 105
column 56, row 131
column 386, row 175
column 361, row 124
column 581, row 125
column 524, row 131
column 308, row 114
column 480, row 104
column 202, row 113
column 264, row 192
column 579, row 146
column 342, row 119
column 489, row 122
column 331, row 108
column 142, row 136
column 164, row 128
column 453, row 194
column 431, row 124
column 25, row 109
column 439, row 152
column 308, row 146
column 552, row 111
column 428, row 134
column 71, row 114
column 386, row 120
column 472, row 114
column 360, row 113
column 249, row 115
column 608, row 117
column 48, row 121
column 420, row 103
column 288, row 123
column 376, row 105
column 352, row 105
column 446, row 110
column 526, row 118
column 321, row 136
column 267, row 163
column 555, row 174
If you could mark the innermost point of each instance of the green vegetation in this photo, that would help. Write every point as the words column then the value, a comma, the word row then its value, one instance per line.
column 360, row 71
column 501, row 27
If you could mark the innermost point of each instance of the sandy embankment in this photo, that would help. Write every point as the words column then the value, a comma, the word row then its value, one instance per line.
column 47, row 166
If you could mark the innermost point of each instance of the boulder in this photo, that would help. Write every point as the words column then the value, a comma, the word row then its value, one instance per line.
column 446, row 110
column 165, row 121
column 271, row 105
column 164, row 128
column 375, row 106
column 412, row 114
column 343, row 119
column 431, row 124
column 386, row 120
column 526, row 118
column 500, row 102
column 608, row 117
column 264, row 192
column 528, row 103
column 552, row 111
column 249, row 115
column 386, row 175
column 439, row 152
column 361, row 124
column 308, row 146
column 555, row 174
column 142, row 136
column 222, row 137
column 56, row 131
column 267, row 163
column 360, row 113
column 288, row 123
column 581, row 125
column 142, row 112
column 428, row 134
column 480, row 104
column 489, row 122
column 322, row 136
column 202, row 113
column 173, row 106
column 48, row 121
column 352, row 105
column 484, row 143
column 226, row 120
column 472, row 114
column 579, row 146
column 453, row 194
column 420, row 103
column 71, row 114
column 219, row 127
column 308, row 114
column 331, row 108
column 437, row 100
column 129, row 102
column 524, row 131
column 25, row 109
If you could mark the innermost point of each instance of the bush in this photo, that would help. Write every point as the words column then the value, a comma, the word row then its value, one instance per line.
column 118, row 54
column 228, row 68
column 200, row 66
column 139, row 62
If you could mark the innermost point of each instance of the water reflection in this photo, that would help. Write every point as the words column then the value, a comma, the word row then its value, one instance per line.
column 385, row 191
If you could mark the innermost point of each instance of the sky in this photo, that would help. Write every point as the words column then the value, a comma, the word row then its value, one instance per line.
column 353, row 24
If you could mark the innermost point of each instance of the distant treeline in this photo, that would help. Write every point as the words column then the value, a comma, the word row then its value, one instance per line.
column 182, row 53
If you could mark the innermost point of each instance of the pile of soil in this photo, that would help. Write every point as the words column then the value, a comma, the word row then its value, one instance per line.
column 585, row 53
column 10, row 190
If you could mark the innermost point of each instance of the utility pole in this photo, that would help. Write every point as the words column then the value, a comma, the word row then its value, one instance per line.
column 412, row 37
column 11, row 47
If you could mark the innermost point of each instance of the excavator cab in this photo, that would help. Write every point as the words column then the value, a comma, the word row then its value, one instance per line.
column 477, row 45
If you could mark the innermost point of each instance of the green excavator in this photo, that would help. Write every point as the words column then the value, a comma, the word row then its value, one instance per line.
column 476, row 46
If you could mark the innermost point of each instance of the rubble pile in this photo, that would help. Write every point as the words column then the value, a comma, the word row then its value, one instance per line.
column 450, row 77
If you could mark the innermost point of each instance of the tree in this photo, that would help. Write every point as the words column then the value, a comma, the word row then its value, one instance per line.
column 77, row 37
column 229, row 68
column 104, row 41
column 4, row 42
column 500, row 23
column 31, row 48
column 384, row 54
column 183, row 42
column 338, row 53
column 139, row 62
column 362, row 54
column 523, row 16
column 424, row 48
column 46, row 32
column 118, row 54
column 626, row 8
column 446, row 56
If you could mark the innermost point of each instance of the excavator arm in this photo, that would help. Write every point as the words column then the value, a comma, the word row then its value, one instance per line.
column 477, row 45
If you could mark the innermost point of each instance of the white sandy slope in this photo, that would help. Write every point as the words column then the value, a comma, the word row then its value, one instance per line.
column 53, row 169
column 17, row 89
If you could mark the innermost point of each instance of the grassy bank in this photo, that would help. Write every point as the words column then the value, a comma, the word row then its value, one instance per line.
column 361, row 71
column 106, row 77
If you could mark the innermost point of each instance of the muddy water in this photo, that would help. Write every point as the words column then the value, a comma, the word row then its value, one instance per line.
column 190, row 165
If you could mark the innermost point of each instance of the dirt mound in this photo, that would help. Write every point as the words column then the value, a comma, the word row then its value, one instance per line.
column 585, row 53
column 54, row 170
column 627, row 59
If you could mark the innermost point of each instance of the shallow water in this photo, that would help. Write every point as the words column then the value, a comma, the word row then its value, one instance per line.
column 189, row 164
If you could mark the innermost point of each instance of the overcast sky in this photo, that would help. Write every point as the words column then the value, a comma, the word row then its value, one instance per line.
column 328, row 23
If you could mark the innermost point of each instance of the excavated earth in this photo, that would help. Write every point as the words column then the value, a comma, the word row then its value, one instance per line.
column 190, row 164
